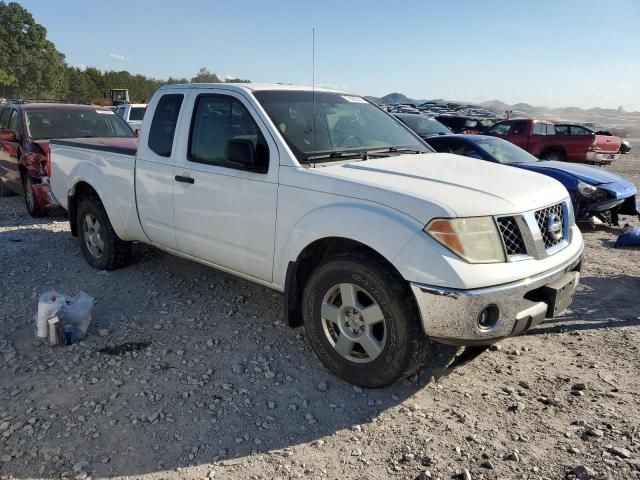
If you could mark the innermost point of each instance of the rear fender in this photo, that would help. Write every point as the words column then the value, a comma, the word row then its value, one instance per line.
column 90, row 174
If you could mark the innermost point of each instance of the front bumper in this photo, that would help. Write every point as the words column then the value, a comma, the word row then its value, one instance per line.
column 452, row 316
column 44, row 195
column 596, row 157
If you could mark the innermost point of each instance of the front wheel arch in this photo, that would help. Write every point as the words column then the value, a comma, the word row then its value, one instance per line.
column 299, row 271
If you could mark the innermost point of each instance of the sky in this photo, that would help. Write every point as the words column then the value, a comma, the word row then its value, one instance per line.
column 583, row 53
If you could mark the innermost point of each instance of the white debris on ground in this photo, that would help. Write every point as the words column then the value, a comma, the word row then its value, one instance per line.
column 190, row 373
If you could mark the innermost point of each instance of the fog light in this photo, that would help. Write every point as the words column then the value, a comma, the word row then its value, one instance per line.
column 488, row 317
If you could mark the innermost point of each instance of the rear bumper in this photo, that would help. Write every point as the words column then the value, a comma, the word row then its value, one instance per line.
column 596, row 157
column 452, row 316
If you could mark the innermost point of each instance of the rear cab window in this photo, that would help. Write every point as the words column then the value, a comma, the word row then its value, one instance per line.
column 137, row 113
column 163, row 125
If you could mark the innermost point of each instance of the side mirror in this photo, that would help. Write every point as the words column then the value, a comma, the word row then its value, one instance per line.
column 7, row 135
column 242, row 152
column 137, row 132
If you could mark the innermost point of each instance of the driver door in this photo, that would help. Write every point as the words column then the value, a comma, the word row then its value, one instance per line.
column 224, row 213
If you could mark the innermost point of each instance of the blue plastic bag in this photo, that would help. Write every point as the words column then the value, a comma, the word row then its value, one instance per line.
column 629, row 237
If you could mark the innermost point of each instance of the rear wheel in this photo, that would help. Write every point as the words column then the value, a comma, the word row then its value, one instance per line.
column 556, row 155
column 30, row 199
column 99, row 243
column 361, row 322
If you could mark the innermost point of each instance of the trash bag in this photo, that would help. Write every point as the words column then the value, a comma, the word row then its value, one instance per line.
column 77, row 313
column 48, row 306
column 630, row 236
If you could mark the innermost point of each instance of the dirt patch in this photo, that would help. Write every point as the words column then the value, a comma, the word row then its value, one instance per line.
column 123, row 348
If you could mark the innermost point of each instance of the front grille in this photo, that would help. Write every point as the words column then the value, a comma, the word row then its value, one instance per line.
column 542, row 218
column 511, row 236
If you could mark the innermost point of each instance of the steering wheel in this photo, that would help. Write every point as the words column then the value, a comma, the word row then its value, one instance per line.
column 349, row 138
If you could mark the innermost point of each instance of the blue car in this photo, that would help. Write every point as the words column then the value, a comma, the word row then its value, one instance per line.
column 594, row 191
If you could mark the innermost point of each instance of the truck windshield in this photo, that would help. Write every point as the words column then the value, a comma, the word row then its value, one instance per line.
column 344, row 125
column 503, row 151
column 47, row 123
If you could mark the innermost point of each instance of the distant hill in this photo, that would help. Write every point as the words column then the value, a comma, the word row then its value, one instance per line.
column 626, row 124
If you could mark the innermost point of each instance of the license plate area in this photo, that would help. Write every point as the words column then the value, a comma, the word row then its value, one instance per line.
column 558, row 295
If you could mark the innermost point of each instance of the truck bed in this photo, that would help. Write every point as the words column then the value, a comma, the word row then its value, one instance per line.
column 110, row 162
column 122, row 146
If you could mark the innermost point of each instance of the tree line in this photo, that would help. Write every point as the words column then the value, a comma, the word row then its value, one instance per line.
column 32, row 68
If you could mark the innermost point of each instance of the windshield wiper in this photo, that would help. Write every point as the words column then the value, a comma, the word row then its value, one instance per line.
column 335, row 155
column 391, row 150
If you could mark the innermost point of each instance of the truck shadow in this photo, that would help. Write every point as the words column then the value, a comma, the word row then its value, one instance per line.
column 197, row 367
column 601, row 303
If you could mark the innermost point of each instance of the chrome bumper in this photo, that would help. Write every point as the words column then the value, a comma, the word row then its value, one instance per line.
column 451, row 315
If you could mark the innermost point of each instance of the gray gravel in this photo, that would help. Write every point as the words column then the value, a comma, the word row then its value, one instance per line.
column 223, row 389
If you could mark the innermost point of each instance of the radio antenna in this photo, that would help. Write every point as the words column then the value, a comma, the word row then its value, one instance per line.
column 313, row 86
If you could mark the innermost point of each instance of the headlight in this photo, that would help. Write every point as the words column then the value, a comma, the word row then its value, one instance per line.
column 475, row 239
column 588, row 190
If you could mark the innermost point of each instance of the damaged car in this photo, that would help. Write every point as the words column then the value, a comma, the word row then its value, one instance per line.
column 595, row 192
column 25, row 131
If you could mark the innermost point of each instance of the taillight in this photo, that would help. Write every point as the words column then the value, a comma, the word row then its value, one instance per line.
column 593, row 146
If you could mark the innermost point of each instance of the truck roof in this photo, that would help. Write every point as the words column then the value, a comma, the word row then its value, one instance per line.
column 250, row 87
column 60, row 106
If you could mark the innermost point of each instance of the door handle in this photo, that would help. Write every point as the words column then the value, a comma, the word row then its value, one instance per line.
column 180, row 178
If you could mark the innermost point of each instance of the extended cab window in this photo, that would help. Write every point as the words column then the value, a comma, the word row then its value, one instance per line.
column 218, row 123
column 540, row 128
column 163, row 125
column 562, row 130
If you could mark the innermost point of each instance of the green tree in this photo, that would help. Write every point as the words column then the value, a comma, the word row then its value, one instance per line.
column 205, row 76
column 236, row 80
column 30, row 65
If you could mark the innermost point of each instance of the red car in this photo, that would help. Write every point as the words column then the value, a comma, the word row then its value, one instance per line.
column 540, row 138
column 25, row 131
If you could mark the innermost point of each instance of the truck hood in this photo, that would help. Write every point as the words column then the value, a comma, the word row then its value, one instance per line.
column 451, row 185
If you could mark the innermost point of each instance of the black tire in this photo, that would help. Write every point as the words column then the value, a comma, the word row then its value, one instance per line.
column 406, row 345
column 555, row 155
column 114, row 253
column 30, row 200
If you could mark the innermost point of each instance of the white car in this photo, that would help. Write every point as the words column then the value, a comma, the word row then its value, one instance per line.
column 376, row 242
column 133, row 113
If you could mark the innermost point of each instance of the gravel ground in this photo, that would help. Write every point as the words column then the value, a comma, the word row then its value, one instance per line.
column 220, row 387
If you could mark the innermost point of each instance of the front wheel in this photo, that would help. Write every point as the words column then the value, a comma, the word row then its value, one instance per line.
column 361, row 322
column 30, row 199
column 99, row 243
column 555, row 155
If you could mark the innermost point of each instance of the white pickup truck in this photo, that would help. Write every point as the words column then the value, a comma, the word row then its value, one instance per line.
column 132, row 113
column 376, row 242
